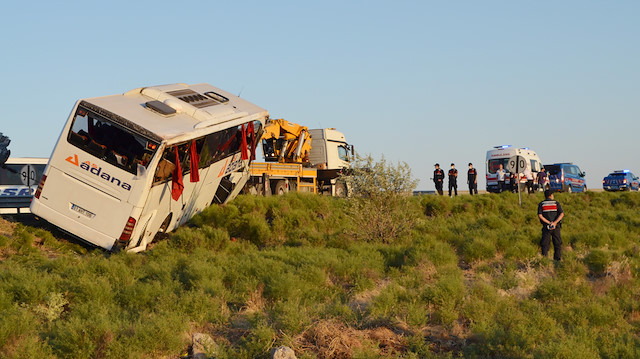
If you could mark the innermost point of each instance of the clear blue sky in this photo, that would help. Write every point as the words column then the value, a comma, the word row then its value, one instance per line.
column 417, row 81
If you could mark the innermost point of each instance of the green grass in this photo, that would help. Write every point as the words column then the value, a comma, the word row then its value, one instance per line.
column 464, row 278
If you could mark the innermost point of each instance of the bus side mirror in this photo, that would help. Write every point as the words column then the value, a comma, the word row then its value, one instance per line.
column 583, row 174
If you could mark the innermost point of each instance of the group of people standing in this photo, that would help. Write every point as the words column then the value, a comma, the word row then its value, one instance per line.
column 472, row 179
column 540, row 180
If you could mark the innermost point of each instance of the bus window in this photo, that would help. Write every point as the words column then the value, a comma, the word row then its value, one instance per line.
column 220, row 145
column 111, row 143
column 167, row 165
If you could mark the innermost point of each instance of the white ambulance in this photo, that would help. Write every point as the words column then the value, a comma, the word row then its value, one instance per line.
column 500, row 155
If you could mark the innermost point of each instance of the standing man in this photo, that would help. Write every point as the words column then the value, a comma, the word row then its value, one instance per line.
column 438, row 178
column 472, row 179
column 529, row 176
column 541, row 178
column 453, row 179
column 550, row 213
column 501, row 177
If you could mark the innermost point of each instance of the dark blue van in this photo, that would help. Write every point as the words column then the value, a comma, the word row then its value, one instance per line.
column 566, row 177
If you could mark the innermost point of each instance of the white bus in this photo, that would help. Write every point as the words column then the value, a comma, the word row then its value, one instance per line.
column 131, row 165
column 500, row 155
column 19, row 178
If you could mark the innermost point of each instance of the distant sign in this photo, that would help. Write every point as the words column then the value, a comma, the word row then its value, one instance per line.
column 28, row 175
column 516, row 164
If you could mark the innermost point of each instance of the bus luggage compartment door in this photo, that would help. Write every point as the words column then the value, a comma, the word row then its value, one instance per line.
column 76, row 198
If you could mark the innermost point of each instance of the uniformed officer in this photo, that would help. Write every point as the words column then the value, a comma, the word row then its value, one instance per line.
column 472, row 179
column 438, row 178
column 453, row 179
column 550, row 213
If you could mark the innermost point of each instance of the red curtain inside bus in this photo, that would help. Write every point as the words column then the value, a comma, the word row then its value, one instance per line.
column 177, row 186
column 195, row 159
column 243, row 145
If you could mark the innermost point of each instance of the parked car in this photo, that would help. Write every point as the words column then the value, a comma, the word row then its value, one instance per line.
column 566, row 177
column 622, row 180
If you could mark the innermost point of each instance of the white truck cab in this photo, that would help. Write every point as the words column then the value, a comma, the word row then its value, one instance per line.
column 329, row 149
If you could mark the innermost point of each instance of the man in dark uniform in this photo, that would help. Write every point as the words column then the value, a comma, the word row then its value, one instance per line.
column 453, row 179
column 550, row 213
column 472, row 179
column 438, row 178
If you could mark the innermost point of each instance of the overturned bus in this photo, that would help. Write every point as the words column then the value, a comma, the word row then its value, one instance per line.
column 131, row 165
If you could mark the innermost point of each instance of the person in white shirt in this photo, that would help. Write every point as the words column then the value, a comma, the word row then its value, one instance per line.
column 529, row 175
column 501, row 177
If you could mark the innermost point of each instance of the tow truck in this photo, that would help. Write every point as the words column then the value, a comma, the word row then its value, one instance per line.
column 299, row 159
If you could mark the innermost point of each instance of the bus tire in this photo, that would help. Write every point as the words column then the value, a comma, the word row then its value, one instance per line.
column 569, row 189
column 280, row 188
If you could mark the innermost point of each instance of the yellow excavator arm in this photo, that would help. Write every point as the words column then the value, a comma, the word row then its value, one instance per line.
column 284, row 141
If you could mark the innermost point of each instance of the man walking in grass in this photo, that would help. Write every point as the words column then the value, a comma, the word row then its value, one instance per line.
column 550, row 213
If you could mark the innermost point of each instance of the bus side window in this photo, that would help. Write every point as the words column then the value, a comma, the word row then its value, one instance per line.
column 165, row 167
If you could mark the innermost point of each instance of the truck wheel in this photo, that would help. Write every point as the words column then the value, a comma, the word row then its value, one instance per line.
column 280, row 188
column 341, row 190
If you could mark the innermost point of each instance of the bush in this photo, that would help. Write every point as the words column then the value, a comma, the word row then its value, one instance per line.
column 380, row 209
column 597, row 260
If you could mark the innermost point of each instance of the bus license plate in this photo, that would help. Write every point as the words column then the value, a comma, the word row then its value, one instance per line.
column 82, row 211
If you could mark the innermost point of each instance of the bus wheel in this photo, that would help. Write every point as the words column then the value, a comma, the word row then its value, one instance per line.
column 569, row 190
column 341, row 190
column 280, row 188
column 584, row 189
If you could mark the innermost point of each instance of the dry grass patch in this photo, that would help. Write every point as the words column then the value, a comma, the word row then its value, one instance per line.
column 6, row 227
column 332, row 339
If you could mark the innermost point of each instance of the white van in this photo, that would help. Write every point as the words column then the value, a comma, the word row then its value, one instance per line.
column 18, row 181
column 131, row 165
column 500, row 155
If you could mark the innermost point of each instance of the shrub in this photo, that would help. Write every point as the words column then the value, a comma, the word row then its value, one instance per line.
column 597, row 260
column 380, row 209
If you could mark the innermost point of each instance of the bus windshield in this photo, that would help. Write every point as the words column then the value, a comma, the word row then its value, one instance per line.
column 110, row 142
